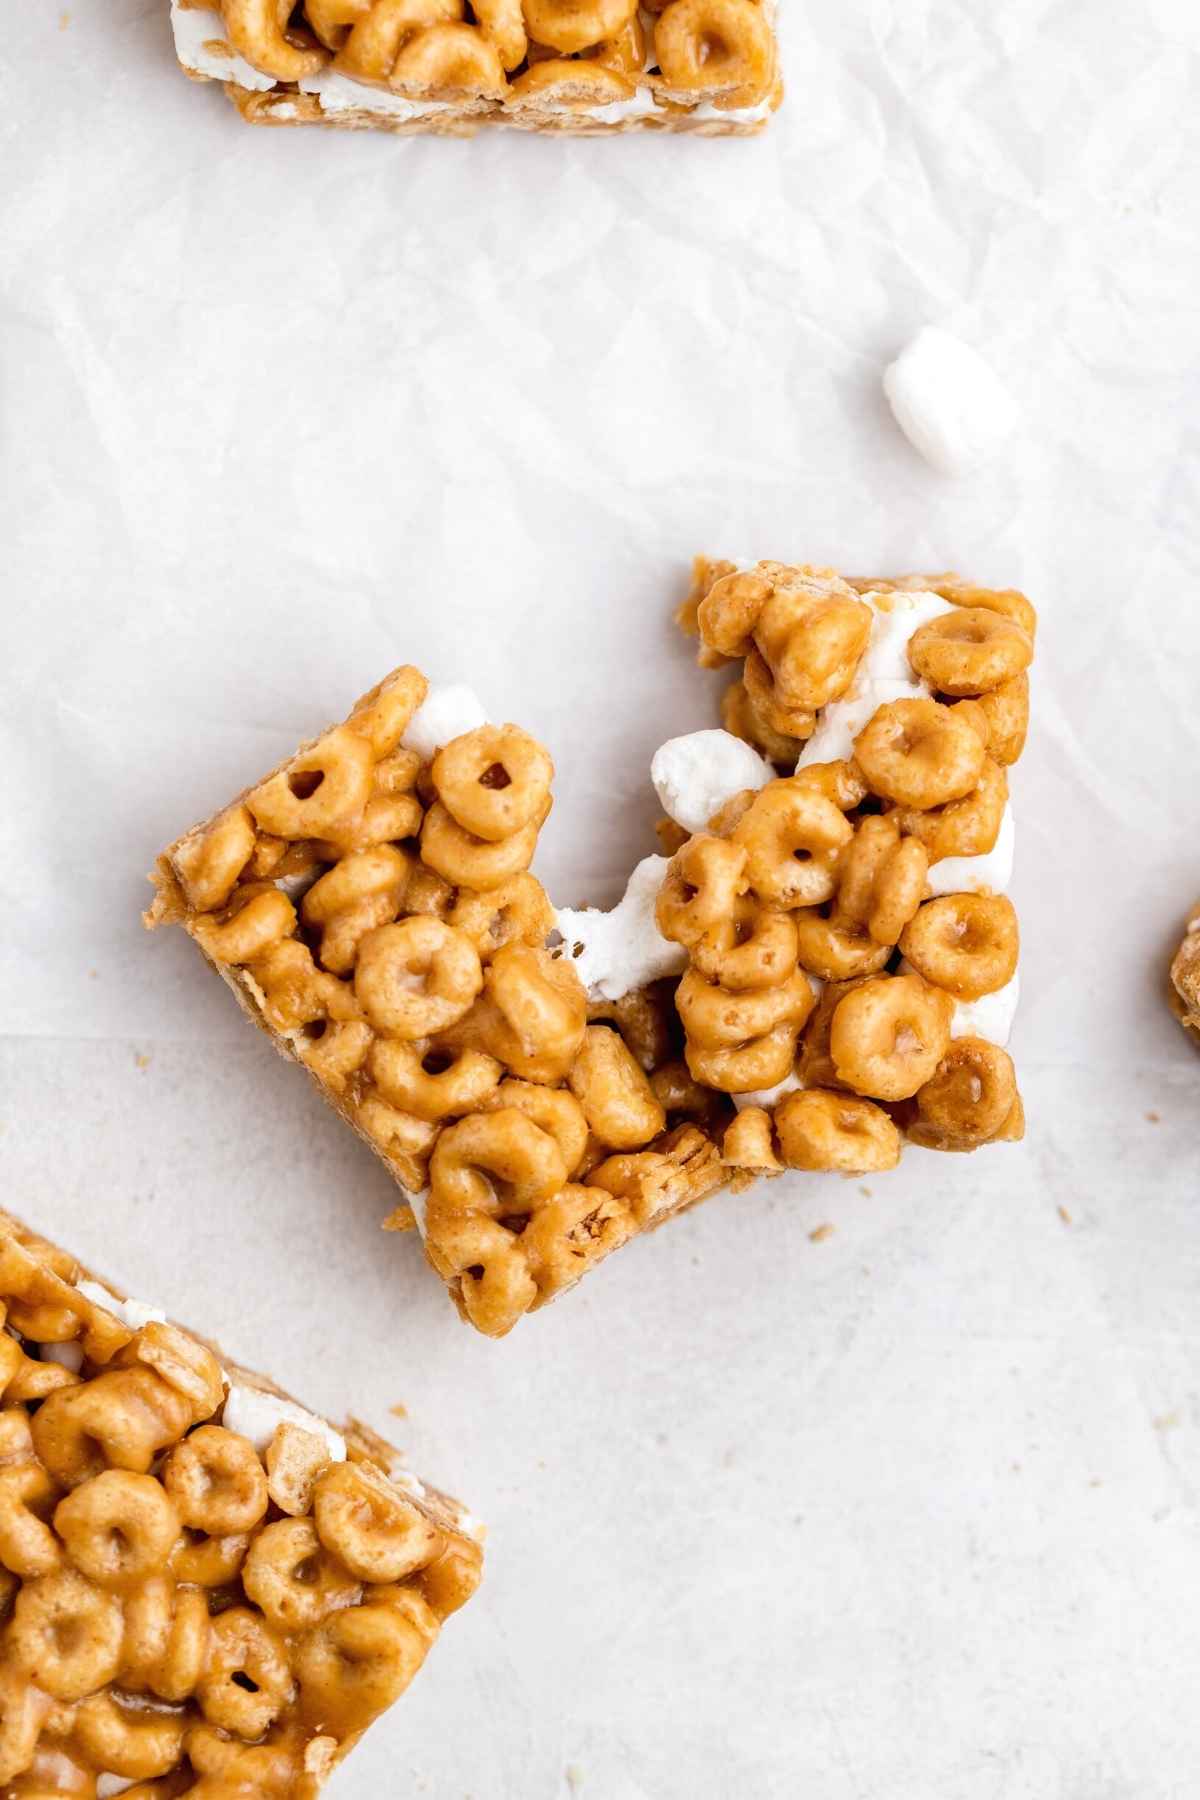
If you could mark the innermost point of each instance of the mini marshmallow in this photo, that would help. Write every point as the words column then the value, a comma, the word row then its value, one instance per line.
column 132, row 1313
column 949, row 403
column 990, row 872
column 447, row 713
column 695, row 775
column 884, row 673
column 622, row 950
column 255, row 1415
column 197, row 31
column 990, row 1017
column 768, row 1097
column 842, row 720
column 69, row 1355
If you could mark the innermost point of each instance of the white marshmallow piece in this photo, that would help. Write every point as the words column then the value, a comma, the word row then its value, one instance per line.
column 199, row 35
column 949, row 403
column 338, row 95
column 621, row 950
column 989, row 873
column 990, row 1017
column 70, row 1356
column 842, row 720
column 884, row 673
column 447, row 712
column 255, row 1415
column 133, row 1314
column 695, row 775
column 768, row 1097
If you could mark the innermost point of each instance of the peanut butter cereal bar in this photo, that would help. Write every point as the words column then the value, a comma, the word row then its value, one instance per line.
column 204, row 1589
column 1184, row 990
column 589, row 67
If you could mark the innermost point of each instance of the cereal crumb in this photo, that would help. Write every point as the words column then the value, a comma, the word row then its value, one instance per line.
column 1154, row 1118
column 1065, row 1216
column 399, row 1411
column 141, row 1061
column 1169, row 1421
column 866, row 1191
column 64, row 19
column 574, row 1776
column 402, row 1218
column 820, row 1232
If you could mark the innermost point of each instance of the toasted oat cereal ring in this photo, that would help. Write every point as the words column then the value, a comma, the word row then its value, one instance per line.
column 385, row 819
column 713, row 44
column 295, row 992
column 209, row 1562
column 860, row 864
column 1006, row 709
column 570, row 25
column 966, row 827
column 519, row 912
column 888, row 1035
column 503, row 22
column 918, row 753
column 128, row 1740
column 384, row 714
column 357, row 1662
column 249, row 931
column 468, row 861
column 702, row 883
column 27, row 1545
column 812, row 644
column 416, row 977
column 625, row 52
column 881, row 880
column 23, row 1711
column 819, row 1128
column 741, row 720
column 450, row 59
column 321, row 788
column 495, row 1286
column 754, row 947
column 792, row 835
column 745, row 1068
column 1010, row 602
column 970, row 1096
column 540, row 1012
column 247, row 1681
column 749, row 1142
column 208, row 863
column 679, row 1094
column 499, row 1163
column 166, row 1637
column 118, row 1528
column 228, row 1767
column 431, row 1083
column 257, row 31
column 293, row 1579
column 363, row 891
column 728, row 613
column 611, row 1087
column 715, row 1018
column 764, row 697
column 451, row 1578
column 834, row 950
column 969, row 651
column 66, row 1633
column 120, row 1419
column 370, row 51
column 840, row 782
column 572, row 82
column 555, row 1110
column 216, row 1481
column 493, row 780
column 331, row 19
column 333, row 1053
column 966, row 944
column 369, row 1526
column 571, row 1234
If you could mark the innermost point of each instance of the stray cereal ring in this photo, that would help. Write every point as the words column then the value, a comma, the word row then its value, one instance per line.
column 889, row 1035
column 416, row 977
column 792, row 835
column 918, row 753
column 969, row 651
column 450, row 59
column 493, row 780
column 969, row 1098
column 713, row 44
column 966, row 944
column 821, row 1129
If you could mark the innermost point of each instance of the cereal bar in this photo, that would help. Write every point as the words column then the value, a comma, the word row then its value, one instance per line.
column 204, row 1589
column 1184, row 990
column 589, row 67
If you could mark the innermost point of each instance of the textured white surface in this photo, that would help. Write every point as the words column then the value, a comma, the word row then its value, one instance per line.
column 617, row 951
column 907, row 1514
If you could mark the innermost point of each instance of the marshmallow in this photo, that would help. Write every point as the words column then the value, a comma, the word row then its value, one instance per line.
column 884, row 673
column 623, row 949
column 768, row 1097
column 990, row 1017
column 695, row 775
column 948, row 402
column 132, row 1313
column 69, row 1355
column 842, row 720
column 255, row 1415
column 447, row 713
column 202, row 46
column 974, row 874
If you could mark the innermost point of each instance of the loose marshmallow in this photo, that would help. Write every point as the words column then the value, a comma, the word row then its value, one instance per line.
column 884, row 673
column 622, row 949
column 255, row 1415
column 975, row 874
column 132, row 1313
column 447, row 713
column 695, row 775
column 990, row 1017
column 202, row 47
column 949, row 403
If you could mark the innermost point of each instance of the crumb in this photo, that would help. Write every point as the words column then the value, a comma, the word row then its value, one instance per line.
column 1095, row 1482
column 574, row 1777
column 402, row 1218
column 1154, row 1118
column 64, row 19
column 141, row 1061
column 399, row 1411
column 866, row 1191
column 93, row 974
column 1166, row 1421
column 820, row 1232
column 1065, row 1216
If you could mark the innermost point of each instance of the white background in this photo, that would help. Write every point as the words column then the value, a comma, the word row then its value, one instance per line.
column 910, row 1513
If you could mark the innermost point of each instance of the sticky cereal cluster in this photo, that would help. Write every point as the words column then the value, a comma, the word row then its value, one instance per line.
column 178, row 1612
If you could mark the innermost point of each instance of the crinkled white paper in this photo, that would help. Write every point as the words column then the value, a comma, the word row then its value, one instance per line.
column 905, row 1514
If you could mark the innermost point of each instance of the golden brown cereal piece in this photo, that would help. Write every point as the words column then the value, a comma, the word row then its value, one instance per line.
column 684, row 1169
column 538, row 1012
column 722, row 46
column 644, row 1019
column 792, row 835
column 919, row 753
column 740, row 717
column 700, row 888
column 761, row 1062
column 881, row 880
column 888, row 1035
column 295, row 1458
column 971, row 650
column 416, row 977
column 966, row 944
column 209, row 862
column 717, row 1018
column 570, row 1234
column 430, row 1083
column 493, row 781
column 364, row 890
column 821, row 1129
column 968, row 1100
column 257, row 32
column 811, row 635
column 753, row 946
column 216, row 1481
column 749, row 1142
column 1184, row 989
column 519, row 912
column 966, row 827
column 782, row 717
column 571, row 25
column 610, row 1086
